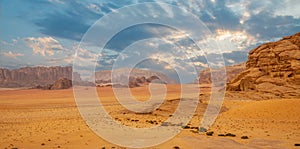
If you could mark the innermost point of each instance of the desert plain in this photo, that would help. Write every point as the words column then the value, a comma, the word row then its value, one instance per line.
column 34, row 118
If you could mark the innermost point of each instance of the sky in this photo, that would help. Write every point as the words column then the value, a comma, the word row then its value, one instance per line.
column 51, row 32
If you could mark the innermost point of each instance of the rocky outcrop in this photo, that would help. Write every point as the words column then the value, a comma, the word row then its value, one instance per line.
column 34, row 76
column 133, row 82
column 62, row 84
column 59, row 84
column 137, row 77
column 140, row 81
column 272, row 68
column 231, row 72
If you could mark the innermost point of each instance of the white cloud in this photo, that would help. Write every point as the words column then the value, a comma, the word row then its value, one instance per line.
column 4, row 42
column 45, row 46
column 12, row 55
column 93, row 7
column 291, row 8
column 12, row 43
column 230, row 61
column 200, row 64
column 57, row 1
column 228, row 40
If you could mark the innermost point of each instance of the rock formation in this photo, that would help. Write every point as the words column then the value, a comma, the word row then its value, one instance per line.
column 61, row 84
column 140, row 81
column 272, row 68
column 34, row 76
column 137, row 77
column 231, row 72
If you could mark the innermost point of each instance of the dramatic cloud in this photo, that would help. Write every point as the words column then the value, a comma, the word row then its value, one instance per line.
column 258, row 18
column 265, row 26
column 53, row 26
column 10, row 54
column 45, row 46
column 71, row 23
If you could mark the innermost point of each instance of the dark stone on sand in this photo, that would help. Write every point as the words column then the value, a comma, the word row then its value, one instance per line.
column 210, row 133
column 244, row 137
column 230, row 135
column 186, row 127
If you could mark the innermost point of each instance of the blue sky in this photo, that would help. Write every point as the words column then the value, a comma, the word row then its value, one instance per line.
column 48, row 32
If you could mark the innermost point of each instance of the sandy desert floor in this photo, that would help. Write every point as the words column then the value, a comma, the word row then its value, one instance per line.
column 50, row 119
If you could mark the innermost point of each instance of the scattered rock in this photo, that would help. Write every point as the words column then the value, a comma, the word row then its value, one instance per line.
column 202, row 129
column 186, row 127
column 297, row 144
column 221, row 135
column 195, row 128
column 244, row 137
column 230, row 135
column 176, row 147
column 209, row 133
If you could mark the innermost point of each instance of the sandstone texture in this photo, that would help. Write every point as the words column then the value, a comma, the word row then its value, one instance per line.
column 34, row 76
column 130, row 78
column 231, row 72
column 62, row 84
column 272, row 68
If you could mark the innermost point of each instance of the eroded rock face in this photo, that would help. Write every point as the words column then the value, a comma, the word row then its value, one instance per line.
column 231, row 72
column 272, row 68
column 140, row 81
column 137, row 77
column 61, row 84
column 34, row 76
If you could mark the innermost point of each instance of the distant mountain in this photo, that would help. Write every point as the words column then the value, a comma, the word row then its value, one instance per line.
column 125, row 77
column 41, row 77
column 231, row 72
column 33, row 76
column 272, row 68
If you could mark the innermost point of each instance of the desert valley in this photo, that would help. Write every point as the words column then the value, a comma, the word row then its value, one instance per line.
column 260, row 109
